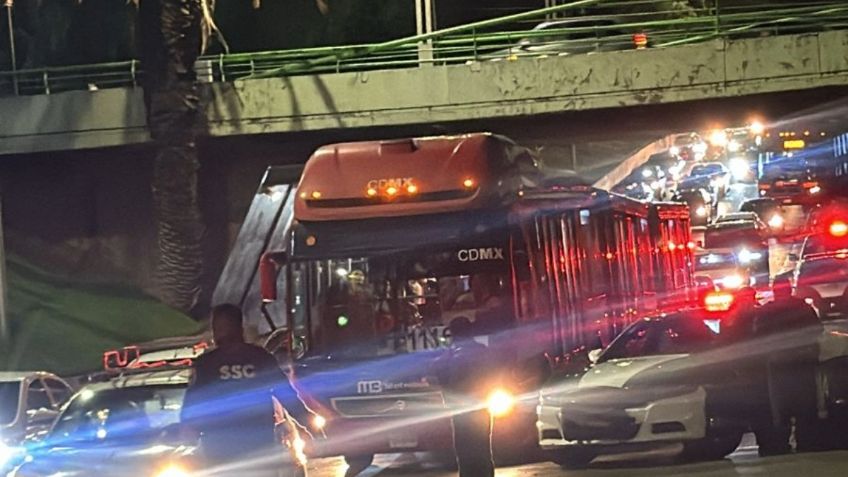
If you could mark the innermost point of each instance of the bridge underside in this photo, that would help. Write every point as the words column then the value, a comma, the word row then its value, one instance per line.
column 476, row 93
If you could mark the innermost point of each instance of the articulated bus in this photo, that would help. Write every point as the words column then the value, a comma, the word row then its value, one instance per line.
column 392, row 240
column 803, row 167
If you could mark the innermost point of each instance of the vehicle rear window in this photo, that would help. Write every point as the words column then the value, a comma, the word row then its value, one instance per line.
column 714, row 261
column 9, row 397
column 730, row 237
column 683, row 334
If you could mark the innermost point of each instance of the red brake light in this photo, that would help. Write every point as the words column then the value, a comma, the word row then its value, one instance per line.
column 838, row 228
column 640, row 40
column 809, row 185
column 718, row 301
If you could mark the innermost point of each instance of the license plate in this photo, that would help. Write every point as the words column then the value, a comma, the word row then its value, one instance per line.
column 403, row 442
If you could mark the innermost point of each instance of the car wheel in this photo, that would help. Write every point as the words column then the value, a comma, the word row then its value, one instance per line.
column 712, row 448
column 573, row 457
column 357, row 463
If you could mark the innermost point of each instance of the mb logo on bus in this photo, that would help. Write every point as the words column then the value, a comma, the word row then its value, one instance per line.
column 480, row 254
column 369, row 387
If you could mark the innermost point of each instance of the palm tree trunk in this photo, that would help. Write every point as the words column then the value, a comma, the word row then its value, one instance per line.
column 170, row 34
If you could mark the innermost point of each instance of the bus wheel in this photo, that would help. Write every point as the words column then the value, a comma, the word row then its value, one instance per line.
column 572, row 457
column 357, row 463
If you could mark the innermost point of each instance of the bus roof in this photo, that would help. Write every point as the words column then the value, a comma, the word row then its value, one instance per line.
column 412, row 176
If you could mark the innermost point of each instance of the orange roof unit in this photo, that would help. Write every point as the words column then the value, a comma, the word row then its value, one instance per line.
column 406, row 177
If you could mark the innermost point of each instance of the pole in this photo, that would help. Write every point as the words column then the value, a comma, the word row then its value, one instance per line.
column 9, row 4
column 424, row 11
column 4, row 323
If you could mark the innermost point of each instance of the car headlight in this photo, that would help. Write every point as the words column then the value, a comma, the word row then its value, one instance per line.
column 815, row 190
column 746, row 256
column 173, row 470
column 500, row 403
column 776, row 221
column 701, row 211
column 732, row 281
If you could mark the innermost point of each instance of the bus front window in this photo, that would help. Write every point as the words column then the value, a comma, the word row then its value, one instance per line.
column 365, row 307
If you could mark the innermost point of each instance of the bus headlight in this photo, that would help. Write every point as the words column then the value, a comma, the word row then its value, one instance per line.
column 173, row 470
column 500, row 403
column 776, row 221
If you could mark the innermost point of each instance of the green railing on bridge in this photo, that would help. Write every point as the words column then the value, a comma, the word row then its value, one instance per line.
column 583, row 26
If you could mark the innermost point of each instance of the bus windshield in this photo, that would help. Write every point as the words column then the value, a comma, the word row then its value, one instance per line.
column 361, row 307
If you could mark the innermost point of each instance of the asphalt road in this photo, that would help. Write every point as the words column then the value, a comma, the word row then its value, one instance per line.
column 744, row 462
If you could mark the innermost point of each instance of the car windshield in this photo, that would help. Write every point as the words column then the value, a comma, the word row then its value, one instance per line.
column 9, row 397
column 378, row 306
column 714, row 261
column 679, row 335
column 120, row 414
column 706, row 170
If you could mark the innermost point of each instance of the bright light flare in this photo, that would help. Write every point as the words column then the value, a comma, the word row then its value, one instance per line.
column 838, row 229
column 316, row 194
column 500, row 403
column 734, row 146
column 732, row 281
column 776, row 221
column 411, row 189
column 371, row 192
column 746, row 256
column 468, row 183
column 173, row 470
column 319, row 421
column 739, row 168
column 299, row 447
column 757, row 128
column 718, row 138
column 701, row 211
column 391, row 191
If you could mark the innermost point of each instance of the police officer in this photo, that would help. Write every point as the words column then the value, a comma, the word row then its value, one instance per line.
column 229, row 401
column 466, row 372
column 790, row 329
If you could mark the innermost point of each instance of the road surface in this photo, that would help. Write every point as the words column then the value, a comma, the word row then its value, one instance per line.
column 744, row 462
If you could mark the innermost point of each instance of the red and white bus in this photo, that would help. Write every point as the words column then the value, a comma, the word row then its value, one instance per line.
column 392, row 240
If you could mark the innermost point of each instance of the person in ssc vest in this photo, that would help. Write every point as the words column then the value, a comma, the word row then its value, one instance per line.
column 229, row 401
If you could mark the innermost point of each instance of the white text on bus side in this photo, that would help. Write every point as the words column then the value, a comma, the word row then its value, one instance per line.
column 476, row 254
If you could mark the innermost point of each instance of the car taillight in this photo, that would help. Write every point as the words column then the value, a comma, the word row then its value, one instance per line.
column 718, row 301
column 640, row 41
column 765, row 186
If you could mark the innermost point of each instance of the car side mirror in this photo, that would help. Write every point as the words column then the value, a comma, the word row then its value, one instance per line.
column 595, row 355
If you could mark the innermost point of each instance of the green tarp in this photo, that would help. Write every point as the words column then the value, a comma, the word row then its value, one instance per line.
column 58, row 324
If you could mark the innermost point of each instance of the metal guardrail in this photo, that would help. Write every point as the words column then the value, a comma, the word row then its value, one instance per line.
column 609, row 25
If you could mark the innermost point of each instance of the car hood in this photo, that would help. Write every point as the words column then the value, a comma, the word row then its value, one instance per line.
column 619, row 372
column 105, row 460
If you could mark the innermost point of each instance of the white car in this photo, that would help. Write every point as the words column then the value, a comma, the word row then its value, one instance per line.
column 642, row 392
column 723, row 267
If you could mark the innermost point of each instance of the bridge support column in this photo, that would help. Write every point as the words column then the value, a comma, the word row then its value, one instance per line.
column 425, row 14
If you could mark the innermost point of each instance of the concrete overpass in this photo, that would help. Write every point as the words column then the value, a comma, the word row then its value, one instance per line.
column 443, row 94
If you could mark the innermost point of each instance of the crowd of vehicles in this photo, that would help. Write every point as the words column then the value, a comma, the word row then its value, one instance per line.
column 603, row 310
